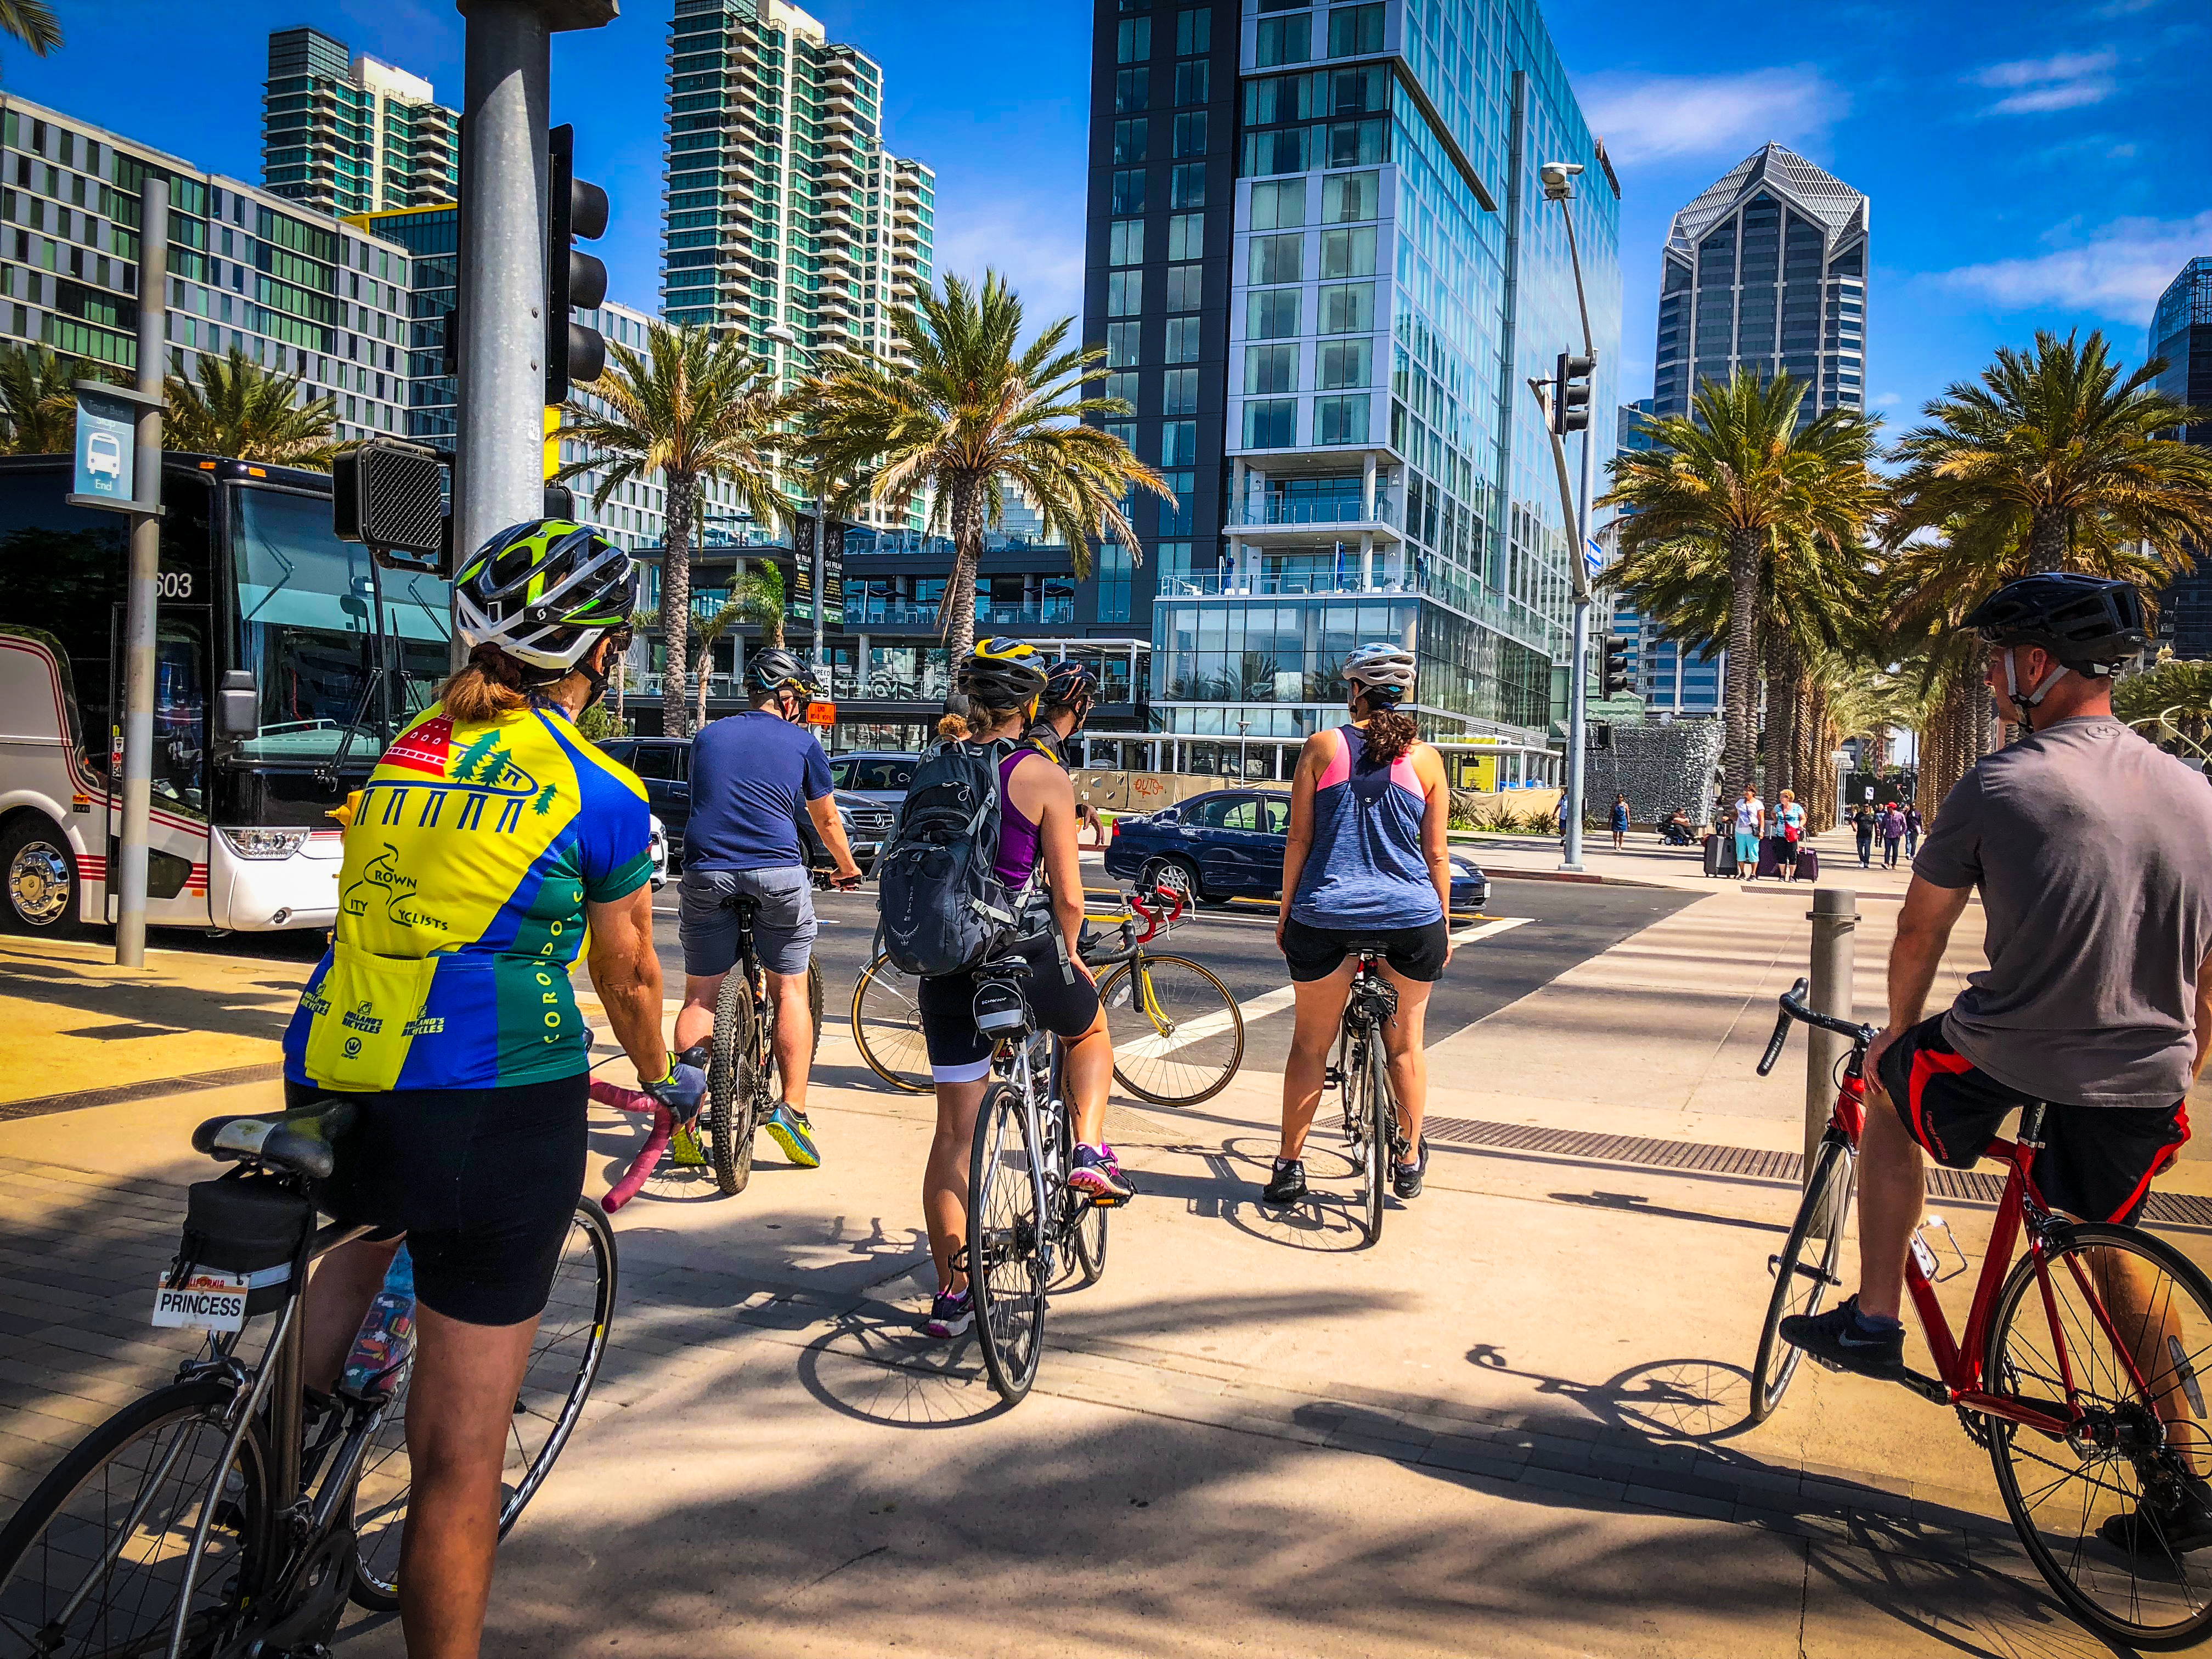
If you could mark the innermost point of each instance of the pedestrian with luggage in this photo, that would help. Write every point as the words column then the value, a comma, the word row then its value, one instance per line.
column 1790, row 819
column 1892, row 832
column 1750, row 826
column 1864, row 821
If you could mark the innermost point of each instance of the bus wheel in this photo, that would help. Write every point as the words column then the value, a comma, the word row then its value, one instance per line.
column 38, row 879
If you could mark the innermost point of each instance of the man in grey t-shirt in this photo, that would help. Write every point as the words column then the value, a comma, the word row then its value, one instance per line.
column 2092, row 852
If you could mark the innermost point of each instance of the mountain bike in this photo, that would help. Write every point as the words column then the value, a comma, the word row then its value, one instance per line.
column 741, row 1083
column 1024, row 1221
column 2079, row 1369
column 233, row 1512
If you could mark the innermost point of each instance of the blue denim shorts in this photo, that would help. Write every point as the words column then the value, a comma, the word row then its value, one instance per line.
column 783, row 924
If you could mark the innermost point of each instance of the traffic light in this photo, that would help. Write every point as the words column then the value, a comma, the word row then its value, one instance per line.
column 1613, row 671
column 1570, row 393
column 576, row 280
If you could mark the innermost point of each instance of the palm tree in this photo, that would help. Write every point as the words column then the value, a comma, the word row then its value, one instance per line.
column 693, row 405
column 758, row 595
column 2171, row 704
column 38, row 405
column 32, row 22
column 248, row 413
column 1738, row 479
column 970, row 413
column 2056, row 457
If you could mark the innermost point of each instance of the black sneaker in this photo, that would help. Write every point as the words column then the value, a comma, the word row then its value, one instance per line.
column 1288, row 1184
column 2171, row 1523
column 1406, row 1178
column 1836, row 1338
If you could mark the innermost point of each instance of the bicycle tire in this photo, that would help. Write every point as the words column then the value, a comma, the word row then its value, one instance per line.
column 1800, row 1287
column 84, row 1501
column 881, row 1005
column 729, row 1099
column 1148, row 1075
column 564, row 1362
column 1005, row 1257
column 2093, row 1574
column 1378, row 1113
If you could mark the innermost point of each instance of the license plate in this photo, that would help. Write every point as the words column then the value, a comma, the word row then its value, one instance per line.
column 205, row 1301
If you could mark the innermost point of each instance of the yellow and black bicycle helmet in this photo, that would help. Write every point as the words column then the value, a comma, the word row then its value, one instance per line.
column 1001, row 673
column 543, row 593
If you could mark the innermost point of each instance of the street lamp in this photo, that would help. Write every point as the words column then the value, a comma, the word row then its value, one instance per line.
column 783, row 334
column 1558, row 178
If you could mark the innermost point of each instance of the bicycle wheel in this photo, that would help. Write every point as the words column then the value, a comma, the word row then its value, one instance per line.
column 1378, row 1114
column 1089, row 1232
column 2125, row 1306
column 729, row 1093
column 887, row 1027
column 1805, row 1271
column 1006, row 1260
column 564, row 1362
column 1178, row 1034
column 96, row 1560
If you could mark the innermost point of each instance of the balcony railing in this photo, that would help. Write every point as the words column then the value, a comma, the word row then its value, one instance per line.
column 881, row 613
column 1207, row 584
column 1278, row 510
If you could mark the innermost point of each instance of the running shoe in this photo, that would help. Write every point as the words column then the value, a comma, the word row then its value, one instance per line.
column 1847, row 1340
column 2169, row 1523
column 1406, row 1178
column 685, row 1151
column 950, row 1314
column 788, row 1127
column 1288, row 1184
column 1098, row 1173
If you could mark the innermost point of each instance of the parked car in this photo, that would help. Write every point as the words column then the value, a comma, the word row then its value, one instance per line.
column 881, row 774
column 663, row 765
column 657, row 843
column 1228, row 844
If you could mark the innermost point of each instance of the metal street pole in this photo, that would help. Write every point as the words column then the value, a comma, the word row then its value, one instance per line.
column 1835, row 918
column 142, row 605
column 1559, row 187
column 821, row 558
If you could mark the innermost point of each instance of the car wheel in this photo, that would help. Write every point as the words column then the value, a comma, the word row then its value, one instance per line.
column 1176, row 875
column 39, row 879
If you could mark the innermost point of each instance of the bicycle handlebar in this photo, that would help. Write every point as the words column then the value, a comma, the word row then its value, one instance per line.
column 1793, row 1007
column 1154, row 922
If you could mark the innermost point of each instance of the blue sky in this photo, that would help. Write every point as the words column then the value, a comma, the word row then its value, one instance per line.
column 2030, row 165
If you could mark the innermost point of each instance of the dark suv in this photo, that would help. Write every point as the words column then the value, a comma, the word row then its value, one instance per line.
column 663, row 765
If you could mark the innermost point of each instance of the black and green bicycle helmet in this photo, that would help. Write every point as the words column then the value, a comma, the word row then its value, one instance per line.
column 544, row 592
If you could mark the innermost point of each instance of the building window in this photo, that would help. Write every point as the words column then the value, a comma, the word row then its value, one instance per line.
column 1124, row 432
column 1281, row 151
column 1272, row 315
column 1193, row 82
column 1130, row 192
column 1194, row 30
column 1179, row 439
column 1271, row 423
column 1347, row 252
column 1354, row 31
column 1185, row 284
column 1271, row 368
column 1125, row 242
column 1174, row 519
column 1125, row 293
column 1350, row 196
column 1122, row 345
column 1281, row 258
column 1187, row 236
column 1180, row 392
column 1340, row 420
column 1133, row 90
column 1346, row 308
column 1190, row 133
column 1282, row 40
column 1187, row 186
column 1279, row 206
column 1128, row 142
column 1342, row 363
column 1182, row 340
column 1132, row 44
column 1355, row 143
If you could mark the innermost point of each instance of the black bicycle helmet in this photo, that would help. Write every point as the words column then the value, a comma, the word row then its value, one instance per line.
column 544, row 592
column 2091, row 624
column 1067, row 683
column 1001, row 673
column 774, row 668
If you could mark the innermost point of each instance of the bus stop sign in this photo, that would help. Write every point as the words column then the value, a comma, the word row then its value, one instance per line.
column 107, row 449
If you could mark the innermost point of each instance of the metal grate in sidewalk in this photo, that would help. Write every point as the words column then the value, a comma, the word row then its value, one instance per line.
column 1650, row 1152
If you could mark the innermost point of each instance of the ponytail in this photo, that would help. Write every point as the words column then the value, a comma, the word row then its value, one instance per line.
column 953, row 728
column 490, row 686
column 1388, row 735
column 975, row 725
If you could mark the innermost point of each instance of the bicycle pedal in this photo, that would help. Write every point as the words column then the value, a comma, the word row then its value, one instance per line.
column 1828, row 1364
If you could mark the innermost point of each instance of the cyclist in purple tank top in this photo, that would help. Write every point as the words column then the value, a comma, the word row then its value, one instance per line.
column 1366, row 862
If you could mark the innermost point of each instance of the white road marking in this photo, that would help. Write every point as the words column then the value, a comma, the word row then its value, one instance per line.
column 1468, row 935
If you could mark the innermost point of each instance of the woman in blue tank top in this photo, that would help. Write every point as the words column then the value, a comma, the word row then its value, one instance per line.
column 1366, row 862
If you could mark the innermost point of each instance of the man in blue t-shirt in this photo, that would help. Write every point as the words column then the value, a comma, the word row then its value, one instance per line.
column 751, row 776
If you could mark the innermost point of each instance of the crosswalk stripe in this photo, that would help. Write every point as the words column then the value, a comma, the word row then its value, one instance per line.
column 1468, row 935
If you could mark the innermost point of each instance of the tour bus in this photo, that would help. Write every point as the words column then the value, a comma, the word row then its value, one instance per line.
column 286, row 660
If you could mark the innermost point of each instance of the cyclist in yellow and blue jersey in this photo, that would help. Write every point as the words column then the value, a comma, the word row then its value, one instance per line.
column 491, row 837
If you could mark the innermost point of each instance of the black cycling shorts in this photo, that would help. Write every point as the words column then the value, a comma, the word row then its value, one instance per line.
column 2097, row 1162
column 483, row 1181
column 958, row 1053
column 1413, row 952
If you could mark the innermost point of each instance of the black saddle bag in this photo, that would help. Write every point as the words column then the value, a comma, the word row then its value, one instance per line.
column 251, row 1227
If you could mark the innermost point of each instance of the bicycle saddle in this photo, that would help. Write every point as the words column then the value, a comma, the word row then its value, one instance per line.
column 300, row 1141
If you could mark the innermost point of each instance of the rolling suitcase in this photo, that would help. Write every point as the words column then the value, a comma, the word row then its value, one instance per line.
column 1808, row 865
column 1770, row 857
column 1720, row 855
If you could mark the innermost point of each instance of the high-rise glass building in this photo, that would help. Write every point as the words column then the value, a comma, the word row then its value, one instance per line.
column 1767, row 270
column 1671, row 677
column 1322, row 270
column 2181, row 332
column 348, row 134
column 786, row 219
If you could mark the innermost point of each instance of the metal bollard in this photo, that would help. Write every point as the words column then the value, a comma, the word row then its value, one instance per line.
column 1835, row 918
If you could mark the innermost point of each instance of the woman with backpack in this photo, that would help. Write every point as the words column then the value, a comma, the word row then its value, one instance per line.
column 1002, row 680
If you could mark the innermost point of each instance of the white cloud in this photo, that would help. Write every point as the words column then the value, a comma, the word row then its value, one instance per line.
column 2116, row 271
column 1651, row 117
column 1038, row 248
column 2071, row 80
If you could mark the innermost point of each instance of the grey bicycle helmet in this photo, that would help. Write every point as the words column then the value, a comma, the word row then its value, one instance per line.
column 1384, row 672
column 774, row 668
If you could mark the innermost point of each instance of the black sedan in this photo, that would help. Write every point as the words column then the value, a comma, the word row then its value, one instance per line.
column 1228, row 844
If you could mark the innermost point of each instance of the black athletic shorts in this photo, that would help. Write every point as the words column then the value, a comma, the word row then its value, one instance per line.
column 1317, row 953
column 958, row 1053
column 483, row 1182
column 2097, row 1162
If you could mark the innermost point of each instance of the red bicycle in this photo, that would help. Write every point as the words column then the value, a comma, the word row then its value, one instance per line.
column 2079, row 1369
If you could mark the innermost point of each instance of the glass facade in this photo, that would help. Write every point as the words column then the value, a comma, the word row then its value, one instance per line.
column 1391, row 274
column 2181, row 332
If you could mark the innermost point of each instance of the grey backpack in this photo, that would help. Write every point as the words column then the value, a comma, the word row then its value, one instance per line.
column 943, row 908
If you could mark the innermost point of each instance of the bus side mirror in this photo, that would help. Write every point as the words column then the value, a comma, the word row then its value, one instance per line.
column 237, row 705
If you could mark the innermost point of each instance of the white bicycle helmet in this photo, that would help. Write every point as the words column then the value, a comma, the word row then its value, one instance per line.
column 543, row 593
column 1385, row 672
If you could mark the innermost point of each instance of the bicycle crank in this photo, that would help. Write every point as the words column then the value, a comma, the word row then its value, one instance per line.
column 1774, row 1263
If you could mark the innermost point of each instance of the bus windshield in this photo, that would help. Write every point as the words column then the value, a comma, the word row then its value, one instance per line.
column 307, row 607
